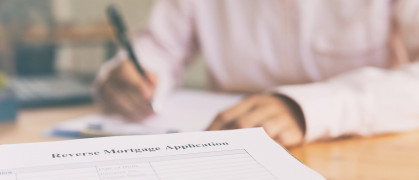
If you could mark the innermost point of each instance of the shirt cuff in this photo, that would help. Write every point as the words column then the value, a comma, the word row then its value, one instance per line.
column 317, row 106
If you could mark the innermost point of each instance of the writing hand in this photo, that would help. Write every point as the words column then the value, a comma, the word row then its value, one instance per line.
column 127, row 93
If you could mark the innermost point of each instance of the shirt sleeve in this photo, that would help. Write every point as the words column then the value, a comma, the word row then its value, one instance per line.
column 165, row 46
column 368, row 100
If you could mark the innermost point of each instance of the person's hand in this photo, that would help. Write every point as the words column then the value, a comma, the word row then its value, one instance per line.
column 278, row 115
column 127, row 93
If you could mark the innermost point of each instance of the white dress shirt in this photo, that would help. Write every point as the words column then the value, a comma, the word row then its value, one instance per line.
column 347, row 63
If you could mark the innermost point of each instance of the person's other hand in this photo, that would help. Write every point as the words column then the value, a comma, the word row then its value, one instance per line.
column 280, row 116
column 127, row 93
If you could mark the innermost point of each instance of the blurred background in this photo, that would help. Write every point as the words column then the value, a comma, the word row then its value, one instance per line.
column 51, row 50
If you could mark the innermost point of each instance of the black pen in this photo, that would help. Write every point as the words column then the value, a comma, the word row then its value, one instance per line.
column 120, row 30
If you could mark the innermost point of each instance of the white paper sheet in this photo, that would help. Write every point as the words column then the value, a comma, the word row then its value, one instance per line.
column 183, row 111
column 245, row 154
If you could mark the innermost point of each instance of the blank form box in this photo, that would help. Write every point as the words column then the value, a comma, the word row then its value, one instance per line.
column 236, row 164
column 62, row 174
column 127, row 172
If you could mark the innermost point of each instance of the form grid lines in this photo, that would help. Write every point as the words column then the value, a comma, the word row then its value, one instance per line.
column 227, row 164
column 260, row 164
column 154, row 170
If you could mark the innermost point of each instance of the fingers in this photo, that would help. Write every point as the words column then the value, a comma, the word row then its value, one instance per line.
column 266, row 111
column 228, row 116
column 127, row 93
column 125, row 101
column 145, row 87
column 284, row 131
column 273, row 127
column 290, row 138
column 255, row 117
column 129, row 74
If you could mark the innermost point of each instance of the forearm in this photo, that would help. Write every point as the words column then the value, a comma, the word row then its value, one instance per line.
column 363, row 102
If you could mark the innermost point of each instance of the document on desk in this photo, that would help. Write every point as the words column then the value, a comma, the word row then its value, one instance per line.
column 245, row 154
column 183, row 111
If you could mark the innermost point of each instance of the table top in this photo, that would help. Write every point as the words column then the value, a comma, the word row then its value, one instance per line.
column 391, row 156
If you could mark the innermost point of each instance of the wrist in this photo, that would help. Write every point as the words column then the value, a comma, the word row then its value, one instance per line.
column 295, row 111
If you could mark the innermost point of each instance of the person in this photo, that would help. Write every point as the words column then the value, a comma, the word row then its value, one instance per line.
column 317, row 69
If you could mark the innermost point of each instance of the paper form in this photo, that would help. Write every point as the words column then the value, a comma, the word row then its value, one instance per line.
column 182, row 111
column 245, row 154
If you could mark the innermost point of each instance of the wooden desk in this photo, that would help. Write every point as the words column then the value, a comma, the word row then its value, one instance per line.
column 384, row 157
column 389, row 157
column 32, row 124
